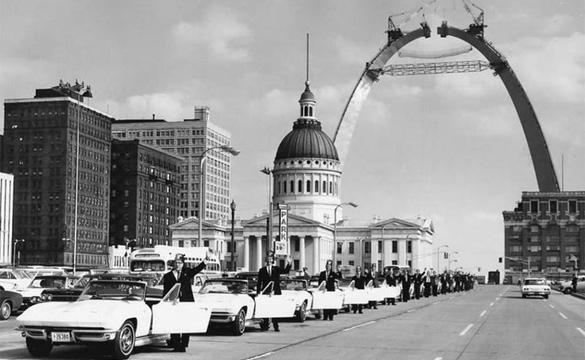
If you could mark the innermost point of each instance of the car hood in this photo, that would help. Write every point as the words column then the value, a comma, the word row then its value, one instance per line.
column 86, row 313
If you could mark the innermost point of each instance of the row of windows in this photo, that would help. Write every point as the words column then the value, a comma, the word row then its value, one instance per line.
column 553, row 206
column 288, row 187
column 537, row 248
column 368, row 247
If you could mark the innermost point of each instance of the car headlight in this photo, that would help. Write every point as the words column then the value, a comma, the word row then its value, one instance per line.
column 35, row 299
column 46, row 297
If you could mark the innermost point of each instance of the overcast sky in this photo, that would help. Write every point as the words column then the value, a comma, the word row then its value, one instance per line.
column 448, row 147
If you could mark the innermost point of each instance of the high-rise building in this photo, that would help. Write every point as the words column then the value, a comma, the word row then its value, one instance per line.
column 58, row 149
column 545, row 234
column 6, row 206
column 189, row 139
column 145, row 194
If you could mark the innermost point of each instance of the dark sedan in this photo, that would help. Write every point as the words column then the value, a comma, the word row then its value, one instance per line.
column 10, row 301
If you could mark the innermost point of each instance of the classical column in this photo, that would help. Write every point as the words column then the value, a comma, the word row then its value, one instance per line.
column 402, row 260
column 247, row 253
column 259, row 261
column 316, row 251
column 302, row 251
column 374, row 252
column 387, row 248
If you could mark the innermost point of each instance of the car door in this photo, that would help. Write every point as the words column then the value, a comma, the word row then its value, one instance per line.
column 172, row 316
column 323, row 299
column 354, row 296
column 269, row 305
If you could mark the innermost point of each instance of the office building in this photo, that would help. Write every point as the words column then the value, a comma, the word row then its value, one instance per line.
column 57, row 147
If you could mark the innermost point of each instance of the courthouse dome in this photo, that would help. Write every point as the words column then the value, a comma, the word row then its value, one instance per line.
column 306, row 140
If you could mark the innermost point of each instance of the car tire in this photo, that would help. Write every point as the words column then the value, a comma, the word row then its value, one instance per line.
column 38, row 347
column 302, row 314
column 523, row 296
column 567, row 291
column 124, row 341
column 239, row 324
column 318, row 314
column 545, row 296
column 5, row 309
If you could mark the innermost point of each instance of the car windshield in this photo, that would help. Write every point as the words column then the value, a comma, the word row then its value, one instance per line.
column 49, row 282
column 293, row 284
column 344, row 282
column 114, row 290
column 534, row 282
column 20, row 274
column 224, row 287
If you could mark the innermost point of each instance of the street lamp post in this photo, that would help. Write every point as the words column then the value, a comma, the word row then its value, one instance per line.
column 225, row 148
column 233, row 207
column 267, row 172
column 87, row 93
column 439, row 256
column 16, row 242
column 335, row 230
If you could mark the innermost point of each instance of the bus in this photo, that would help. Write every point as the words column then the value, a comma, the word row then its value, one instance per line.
column 159, row 259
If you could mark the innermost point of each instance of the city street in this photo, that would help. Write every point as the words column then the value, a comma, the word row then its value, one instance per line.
column 489, row 322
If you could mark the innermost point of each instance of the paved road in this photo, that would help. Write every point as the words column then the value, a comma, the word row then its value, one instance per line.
column 490, row 322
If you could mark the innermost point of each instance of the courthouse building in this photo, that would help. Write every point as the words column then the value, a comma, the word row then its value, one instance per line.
column 307, row 180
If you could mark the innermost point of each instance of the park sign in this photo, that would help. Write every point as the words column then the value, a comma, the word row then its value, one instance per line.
column 281, row 244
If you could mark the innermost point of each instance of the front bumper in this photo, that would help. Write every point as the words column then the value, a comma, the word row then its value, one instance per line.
column 77, row 335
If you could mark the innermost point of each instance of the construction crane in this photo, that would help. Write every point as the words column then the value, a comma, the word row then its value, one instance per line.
column 394, row 32
column 475, row 29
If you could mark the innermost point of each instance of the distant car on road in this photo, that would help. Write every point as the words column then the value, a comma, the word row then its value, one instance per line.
column 11, row 279
column 535, row 287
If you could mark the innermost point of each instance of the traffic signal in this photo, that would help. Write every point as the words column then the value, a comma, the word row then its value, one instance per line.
column 478, row 269
column 500, row 260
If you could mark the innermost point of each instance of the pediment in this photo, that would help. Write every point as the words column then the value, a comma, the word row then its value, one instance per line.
column 293, row 220
column 395, row 223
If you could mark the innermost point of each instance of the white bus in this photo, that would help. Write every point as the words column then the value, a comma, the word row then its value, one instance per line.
column 159, row 260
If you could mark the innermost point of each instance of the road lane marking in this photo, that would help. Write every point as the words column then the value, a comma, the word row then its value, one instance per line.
column 466, row 330
column 497, row 298
column 482, row 313
column 360, row 325
column 552, row 306
column 563, row 315
column 581, row 331
column 492, row 304
column 260, row 356
column 439, row 358
column 409, row 311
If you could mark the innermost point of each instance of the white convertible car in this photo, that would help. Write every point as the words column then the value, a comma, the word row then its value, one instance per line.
column 114, row 313
column 296, row 289
column 235, row 304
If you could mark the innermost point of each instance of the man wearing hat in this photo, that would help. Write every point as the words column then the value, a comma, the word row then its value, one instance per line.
column 269, row 273
column 184, row 276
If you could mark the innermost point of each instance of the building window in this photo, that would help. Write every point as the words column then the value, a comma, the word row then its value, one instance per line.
column 300, row 189
column 380, row 244
column 292, row 186
column 572, row 206
column 367, row 247
column 534, row 228
column 572, row 249
column 206, row 243
column 351, row 263
column 395, row 246
column 553, row 259
column 297, row 264
column 515, row 249
column 324, row 187
column 534, row 207
column 316, row 186
column 409, row 246
column 394, row 262
column 534, row 248
column 308, row 186
column 339, row 247
column 284, row 186
column 552, row 205
column 351, row 247
column 297, row 244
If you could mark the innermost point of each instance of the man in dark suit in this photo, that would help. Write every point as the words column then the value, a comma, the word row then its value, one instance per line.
column 329, row 276
column 184, row 276
column 406, row 280
column 269, row 273
column 390, row 281
column 359, row 281
column 371, row 275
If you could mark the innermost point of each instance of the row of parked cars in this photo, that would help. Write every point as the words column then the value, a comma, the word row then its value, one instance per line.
column 123, row 311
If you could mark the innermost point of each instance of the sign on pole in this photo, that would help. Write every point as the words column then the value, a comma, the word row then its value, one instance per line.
column 281, row 245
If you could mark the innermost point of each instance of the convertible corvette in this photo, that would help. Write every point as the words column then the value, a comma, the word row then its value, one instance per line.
column 111, row 312
column 234, row 303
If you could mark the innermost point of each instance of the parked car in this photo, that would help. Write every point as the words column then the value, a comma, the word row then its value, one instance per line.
column 566, row 286
column 235, row 305
column 32, row 293
column 12, row 278
column 296, row 289
column 111, row 312
column 535, row 287
column 72, row 293
column 10, row 301
column 34, row 270
column 351, row 295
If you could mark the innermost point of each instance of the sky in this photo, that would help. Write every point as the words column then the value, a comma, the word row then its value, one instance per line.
column 448, row 148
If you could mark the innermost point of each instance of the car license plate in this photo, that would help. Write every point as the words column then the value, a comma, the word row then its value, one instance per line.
column 61, row 337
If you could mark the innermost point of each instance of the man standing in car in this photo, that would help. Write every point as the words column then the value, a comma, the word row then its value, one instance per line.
column 269, row 273
column 329, row 277
column 183, row 276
